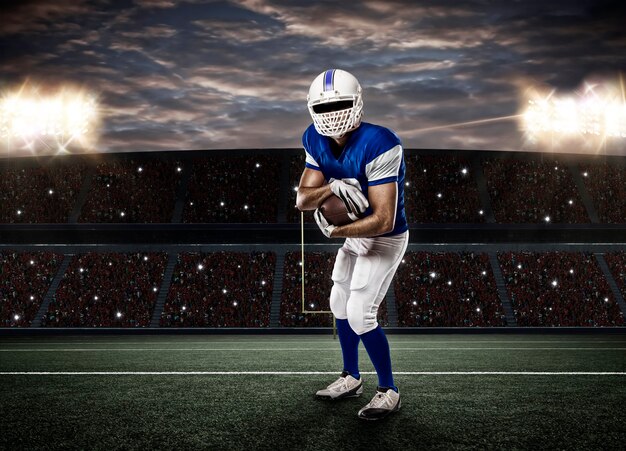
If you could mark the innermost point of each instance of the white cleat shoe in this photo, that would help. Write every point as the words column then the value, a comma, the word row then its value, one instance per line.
column 382, row 404
column 344, row 387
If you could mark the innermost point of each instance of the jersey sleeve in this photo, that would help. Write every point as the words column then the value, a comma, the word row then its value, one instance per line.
column 310, row 161
column 384, row 164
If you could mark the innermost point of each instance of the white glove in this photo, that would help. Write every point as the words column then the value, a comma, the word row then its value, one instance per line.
column 349, row 191
column 322, row 223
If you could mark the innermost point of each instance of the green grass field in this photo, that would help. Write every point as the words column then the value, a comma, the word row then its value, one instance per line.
column 278, row 410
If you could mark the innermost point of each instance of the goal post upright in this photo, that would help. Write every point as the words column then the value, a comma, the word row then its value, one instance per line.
column 304, row 310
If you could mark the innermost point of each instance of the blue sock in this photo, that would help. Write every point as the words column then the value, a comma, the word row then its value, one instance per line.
column 349, row 341
column 377, row 347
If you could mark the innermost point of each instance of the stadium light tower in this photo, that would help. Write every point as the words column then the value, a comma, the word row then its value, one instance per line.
column 590, row 116
column 51, row 121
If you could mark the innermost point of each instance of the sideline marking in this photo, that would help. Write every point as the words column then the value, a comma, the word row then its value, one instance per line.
column 281, row 341
column 303, row 349
column 287, row 373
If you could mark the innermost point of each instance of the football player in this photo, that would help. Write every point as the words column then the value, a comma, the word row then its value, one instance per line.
column 363, row 164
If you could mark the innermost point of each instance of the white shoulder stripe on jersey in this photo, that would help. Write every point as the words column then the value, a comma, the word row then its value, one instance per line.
column 310, row 159
column 385, row 165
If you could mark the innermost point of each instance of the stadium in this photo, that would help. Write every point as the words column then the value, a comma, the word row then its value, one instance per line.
column 176, row 297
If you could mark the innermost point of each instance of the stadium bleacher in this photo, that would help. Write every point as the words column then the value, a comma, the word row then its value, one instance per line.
column 533, row 191
column 107, row 290
column 220, row 289
column 445, row 289
column 24, row 280
column 559, row 289
column 616, row 262
column 233, row 189
column 606, row 185
column 244, row 189
column 132, row 191
column 520, row 189
column 40, row 194
column 441, row 189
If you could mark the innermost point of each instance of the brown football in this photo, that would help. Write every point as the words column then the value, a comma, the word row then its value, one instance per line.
column 335, row 211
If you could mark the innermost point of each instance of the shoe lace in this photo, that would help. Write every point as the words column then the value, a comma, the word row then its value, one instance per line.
column 341, row 383
column 380, row 400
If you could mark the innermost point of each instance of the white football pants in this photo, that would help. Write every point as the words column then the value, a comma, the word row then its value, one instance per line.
column 363, row 271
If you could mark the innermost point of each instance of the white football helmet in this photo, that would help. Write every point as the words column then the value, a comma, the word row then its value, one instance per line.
column 335, row 102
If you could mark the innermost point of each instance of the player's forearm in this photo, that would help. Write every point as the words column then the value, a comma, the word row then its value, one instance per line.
column 369, row 226
column 309, row 198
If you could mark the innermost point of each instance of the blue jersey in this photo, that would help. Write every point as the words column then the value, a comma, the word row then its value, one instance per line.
column 373, row 155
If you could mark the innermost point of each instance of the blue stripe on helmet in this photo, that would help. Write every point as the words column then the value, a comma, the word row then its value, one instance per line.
column 329, row 79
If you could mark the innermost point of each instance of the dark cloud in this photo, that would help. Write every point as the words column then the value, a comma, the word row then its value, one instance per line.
column 190, row 74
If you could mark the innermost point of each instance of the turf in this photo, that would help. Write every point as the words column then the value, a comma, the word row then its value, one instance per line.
column 279, row 411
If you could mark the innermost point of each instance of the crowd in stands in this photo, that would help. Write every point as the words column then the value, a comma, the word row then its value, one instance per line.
column 318, row 267
column 25, row 278
column 558, row 289
column 39, row 195
column 606, row 184
column 221, row 289
column 234, row 289
column 617, row 265
column 441, row 189
column 532, row 191
column 448, row 289
column 132, row 191
column 107, row 290
column 245, row 189
column 233, row 189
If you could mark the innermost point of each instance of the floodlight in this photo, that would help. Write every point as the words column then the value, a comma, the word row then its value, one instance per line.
column 33, row 117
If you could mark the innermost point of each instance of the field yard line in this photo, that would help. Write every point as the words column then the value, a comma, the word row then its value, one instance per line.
column 287, row 340
column 288, row 373
column 307, row 349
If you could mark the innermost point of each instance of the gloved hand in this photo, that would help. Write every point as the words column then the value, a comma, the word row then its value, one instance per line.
column 323, row 224
column 349, row 191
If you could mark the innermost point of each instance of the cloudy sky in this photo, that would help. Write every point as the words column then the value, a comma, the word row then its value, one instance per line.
column 234, row 74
